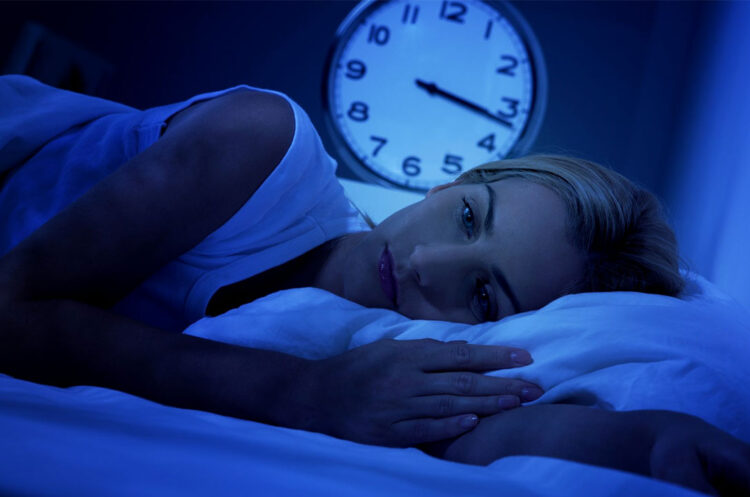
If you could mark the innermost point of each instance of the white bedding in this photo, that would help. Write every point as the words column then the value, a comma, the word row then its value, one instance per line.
column 614, row 350
column 617, row 350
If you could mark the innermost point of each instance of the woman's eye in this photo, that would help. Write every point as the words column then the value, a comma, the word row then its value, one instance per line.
column 483, row 301
column 467, row 217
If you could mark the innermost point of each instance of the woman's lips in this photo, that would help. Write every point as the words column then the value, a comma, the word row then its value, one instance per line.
column 385, row 272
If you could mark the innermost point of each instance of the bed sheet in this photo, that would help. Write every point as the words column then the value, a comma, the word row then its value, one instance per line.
column 619, row 350
column 88, row 441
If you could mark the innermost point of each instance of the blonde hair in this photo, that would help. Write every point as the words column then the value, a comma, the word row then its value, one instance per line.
column 620, row 227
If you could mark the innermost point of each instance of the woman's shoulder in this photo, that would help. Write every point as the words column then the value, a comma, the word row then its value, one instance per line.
column 241, row 113
column 240, row 108
column 251, row 131
column 247, row 121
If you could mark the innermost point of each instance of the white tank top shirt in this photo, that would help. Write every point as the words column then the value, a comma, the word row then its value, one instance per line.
column 55, row 145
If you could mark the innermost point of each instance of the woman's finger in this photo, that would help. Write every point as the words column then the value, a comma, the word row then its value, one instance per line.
column 474, row 384
column 425, row 430
column 443, row 406
column 455, row 356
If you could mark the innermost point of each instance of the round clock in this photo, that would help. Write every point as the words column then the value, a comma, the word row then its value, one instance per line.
column 416, row 92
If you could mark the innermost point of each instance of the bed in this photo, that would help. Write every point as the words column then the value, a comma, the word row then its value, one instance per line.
column 616, row 350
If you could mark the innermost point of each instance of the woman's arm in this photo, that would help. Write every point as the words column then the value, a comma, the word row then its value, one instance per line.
column 55, row 287
column 212, row 158
column 667, row 445
column 55, row 284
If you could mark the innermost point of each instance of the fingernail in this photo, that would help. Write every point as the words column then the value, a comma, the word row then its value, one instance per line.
column 509, row 402
column 520, row 358
column 469, row 421
column 531, row 393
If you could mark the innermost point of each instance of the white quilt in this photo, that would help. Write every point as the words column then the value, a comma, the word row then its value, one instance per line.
column 616, row 351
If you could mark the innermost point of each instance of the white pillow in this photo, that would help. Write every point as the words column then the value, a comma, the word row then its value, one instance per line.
column 613, row 350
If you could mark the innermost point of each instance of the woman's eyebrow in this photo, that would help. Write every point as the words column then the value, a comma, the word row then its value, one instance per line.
column 490, row 216
column 500, row 277
column 488, row 226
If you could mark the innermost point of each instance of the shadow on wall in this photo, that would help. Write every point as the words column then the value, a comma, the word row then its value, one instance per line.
column 710, row 191
column 53, row 60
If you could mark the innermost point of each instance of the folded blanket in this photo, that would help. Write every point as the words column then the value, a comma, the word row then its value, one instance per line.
column 613, row 350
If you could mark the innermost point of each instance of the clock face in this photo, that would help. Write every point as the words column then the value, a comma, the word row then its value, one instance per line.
column 417, row 92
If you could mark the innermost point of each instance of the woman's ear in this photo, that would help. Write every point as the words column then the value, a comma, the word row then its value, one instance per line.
column 437, row 188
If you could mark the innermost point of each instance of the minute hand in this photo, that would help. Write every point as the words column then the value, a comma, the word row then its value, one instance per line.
column 432, row 89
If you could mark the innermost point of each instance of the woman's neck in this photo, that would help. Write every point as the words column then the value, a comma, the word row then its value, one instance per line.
column 319, row 267
column 332, row 260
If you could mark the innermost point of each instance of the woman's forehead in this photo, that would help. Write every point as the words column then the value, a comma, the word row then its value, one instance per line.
column 514, row 193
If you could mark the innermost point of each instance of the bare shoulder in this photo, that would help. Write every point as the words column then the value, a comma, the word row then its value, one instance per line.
column 240, row 136
column 243, row 109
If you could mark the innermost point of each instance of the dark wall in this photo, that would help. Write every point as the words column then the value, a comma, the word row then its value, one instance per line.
column 616, row 69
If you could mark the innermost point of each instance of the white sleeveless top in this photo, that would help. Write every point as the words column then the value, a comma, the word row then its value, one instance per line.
column 298, row 207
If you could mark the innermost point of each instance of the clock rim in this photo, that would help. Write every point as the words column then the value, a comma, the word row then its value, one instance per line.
column 523, row 143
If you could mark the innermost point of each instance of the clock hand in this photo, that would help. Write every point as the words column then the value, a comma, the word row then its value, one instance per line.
column 432, row 89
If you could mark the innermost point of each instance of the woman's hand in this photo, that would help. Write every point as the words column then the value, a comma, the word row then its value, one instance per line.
column 667, row 445
column 690, row 452
column 404, row 393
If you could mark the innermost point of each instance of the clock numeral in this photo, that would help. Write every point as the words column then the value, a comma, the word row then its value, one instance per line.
column 355, row 69
column 410, row 166
column 512, row 104
column 382, row 141
column 488, row 29
column 405, row 17
column 358, row 111
column 508, row 70
column 378, row 35
column 487, row 142
column 455, row 16
column 452, row 164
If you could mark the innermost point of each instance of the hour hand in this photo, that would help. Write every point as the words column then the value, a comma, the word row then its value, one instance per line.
column 433, row 89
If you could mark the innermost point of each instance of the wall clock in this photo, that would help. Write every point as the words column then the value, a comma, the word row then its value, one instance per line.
column 415, row 92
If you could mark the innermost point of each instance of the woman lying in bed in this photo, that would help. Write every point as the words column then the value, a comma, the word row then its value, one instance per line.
column 87, row 297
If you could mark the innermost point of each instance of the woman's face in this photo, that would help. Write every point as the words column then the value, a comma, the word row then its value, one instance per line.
column 467, row 253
